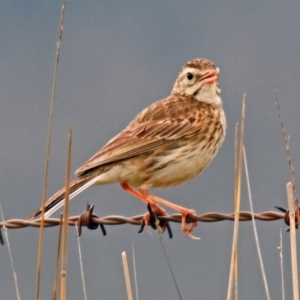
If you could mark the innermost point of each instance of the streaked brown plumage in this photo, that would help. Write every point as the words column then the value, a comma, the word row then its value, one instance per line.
column 168, row 143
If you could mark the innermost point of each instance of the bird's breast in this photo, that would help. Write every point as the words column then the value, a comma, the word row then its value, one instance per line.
column 191, row 156
column 172, row 164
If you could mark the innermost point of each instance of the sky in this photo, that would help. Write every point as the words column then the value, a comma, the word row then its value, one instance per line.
column 116, row 58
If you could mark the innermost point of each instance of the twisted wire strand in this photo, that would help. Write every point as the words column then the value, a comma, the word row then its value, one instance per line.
column 136, row 220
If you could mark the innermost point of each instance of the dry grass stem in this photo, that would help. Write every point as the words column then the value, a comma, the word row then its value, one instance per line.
column 280, row 249
column 10, row 257
column 55, row 285
column 135, row 277
column 294, row 267
column 287, row 145
column 255, row 229
column 236, row 257
column 236, row 273
column 44, row 196
column 288, row 153
column 236, row 163
column 81, row 264
column 237, row 201
column 169, row 265
column 65, row 222
column 127, row 277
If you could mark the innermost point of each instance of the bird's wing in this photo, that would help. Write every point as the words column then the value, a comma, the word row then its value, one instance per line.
column 139, row 139
column 161, row 123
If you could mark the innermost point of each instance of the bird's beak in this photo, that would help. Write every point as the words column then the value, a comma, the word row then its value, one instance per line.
column 210, row 77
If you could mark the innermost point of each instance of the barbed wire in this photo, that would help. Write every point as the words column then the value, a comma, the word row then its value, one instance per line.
column 137, row 220
column 92, row 221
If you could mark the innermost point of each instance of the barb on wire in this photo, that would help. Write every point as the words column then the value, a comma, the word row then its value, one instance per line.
column 86, row 219
column 1, row 238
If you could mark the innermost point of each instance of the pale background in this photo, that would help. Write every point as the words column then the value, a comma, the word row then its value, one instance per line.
column 117, row 57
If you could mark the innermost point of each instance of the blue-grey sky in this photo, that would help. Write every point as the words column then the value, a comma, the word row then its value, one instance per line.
column 118, row 57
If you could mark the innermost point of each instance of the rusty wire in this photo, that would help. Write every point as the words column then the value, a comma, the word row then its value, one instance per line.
column 92, row 221
column 137, row 220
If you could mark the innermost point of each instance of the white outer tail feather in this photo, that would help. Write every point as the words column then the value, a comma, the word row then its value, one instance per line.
column 71, row 196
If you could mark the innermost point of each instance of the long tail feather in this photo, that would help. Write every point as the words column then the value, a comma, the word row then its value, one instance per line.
column 57, row 200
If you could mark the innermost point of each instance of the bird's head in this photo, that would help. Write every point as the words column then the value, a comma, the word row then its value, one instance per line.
column 199, row 78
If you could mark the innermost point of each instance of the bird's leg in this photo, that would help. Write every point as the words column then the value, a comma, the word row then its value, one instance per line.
column 185, row 212
column 143, row 196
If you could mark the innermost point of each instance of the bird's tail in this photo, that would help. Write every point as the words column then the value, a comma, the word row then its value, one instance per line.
column 57, row 200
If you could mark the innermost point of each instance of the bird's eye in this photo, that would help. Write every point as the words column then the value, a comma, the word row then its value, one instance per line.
column 189, row 76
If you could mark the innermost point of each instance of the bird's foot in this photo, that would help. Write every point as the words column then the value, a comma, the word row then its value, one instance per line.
column 150, row 218
column 187, row 229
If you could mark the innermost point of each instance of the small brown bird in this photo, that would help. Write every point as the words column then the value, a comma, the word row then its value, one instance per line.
column 168, row 143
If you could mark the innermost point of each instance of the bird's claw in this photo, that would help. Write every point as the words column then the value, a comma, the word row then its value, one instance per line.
column 188, row 229
column 150, row 218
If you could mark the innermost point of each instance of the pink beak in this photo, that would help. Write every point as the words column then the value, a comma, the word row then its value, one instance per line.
column 210, row 77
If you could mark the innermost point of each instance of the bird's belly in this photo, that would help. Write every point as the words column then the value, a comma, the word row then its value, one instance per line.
column 164, row 169
column 179, row 167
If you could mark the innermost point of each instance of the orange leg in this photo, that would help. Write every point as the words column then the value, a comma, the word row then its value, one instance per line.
column 184, row 212
column 144, row 196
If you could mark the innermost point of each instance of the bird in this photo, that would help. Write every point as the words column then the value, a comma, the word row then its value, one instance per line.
column 168, row 143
